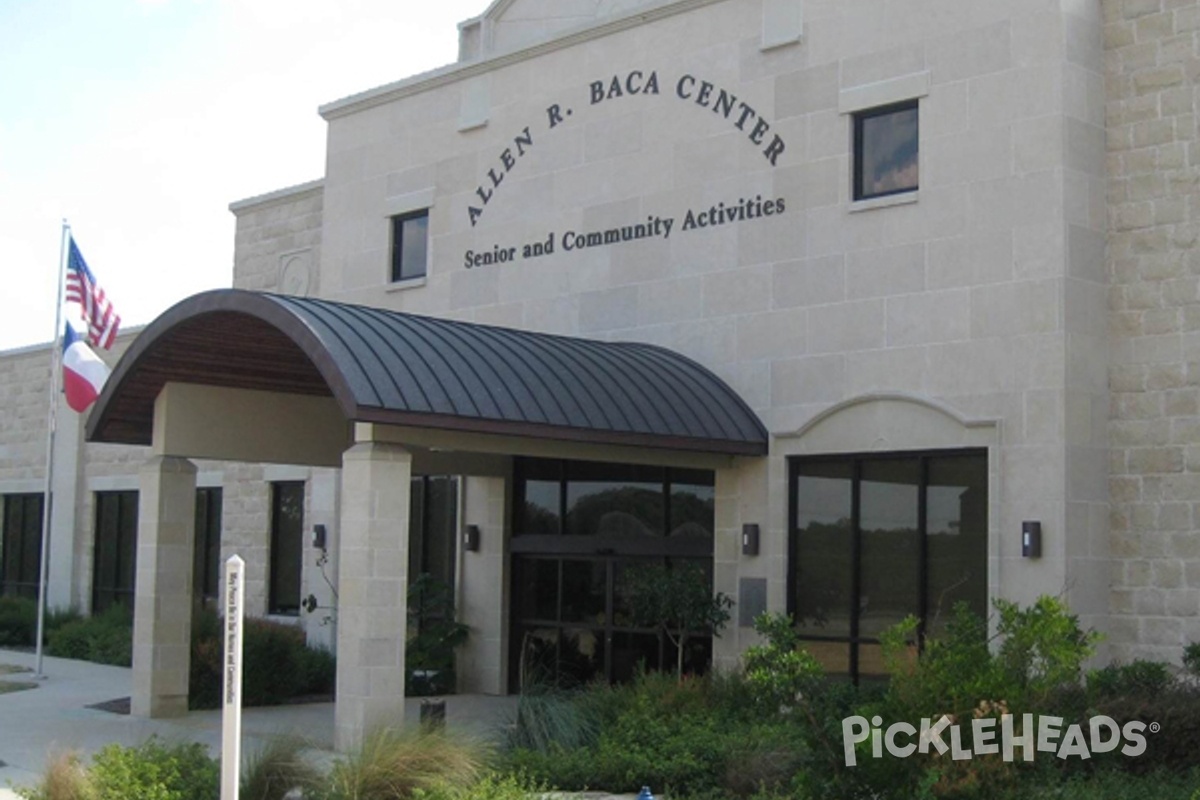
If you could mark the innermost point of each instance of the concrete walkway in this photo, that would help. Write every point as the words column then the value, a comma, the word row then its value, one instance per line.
column 54, row 717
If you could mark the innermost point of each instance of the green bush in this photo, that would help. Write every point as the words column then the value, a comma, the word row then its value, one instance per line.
column 318, row 666
column 18, row 622
column 1042, row 646
column 276, row 769
column 780, row 672
column 106, row 638
column 393, row 765
column 548, row 717
column 272, row 671
column 277, row 665
column 1191, row 658
column 1033, row 665
column 693, row 739
column 491, row 787
column 1117, row 786
column 65, row 778
column 155, row 771
column 1041, row 649
column 1137, row 679
column 1176, row 709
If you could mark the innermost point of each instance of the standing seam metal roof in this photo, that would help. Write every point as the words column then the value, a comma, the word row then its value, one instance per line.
column 404, row 369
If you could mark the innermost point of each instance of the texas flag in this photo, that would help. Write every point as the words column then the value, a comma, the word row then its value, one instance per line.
column 84, row 373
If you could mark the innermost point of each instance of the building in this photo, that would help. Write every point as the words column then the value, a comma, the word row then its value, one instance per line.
column 869, row 308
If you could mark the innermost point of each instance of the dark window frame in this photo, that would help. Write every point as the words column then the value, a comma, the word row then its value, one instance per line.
column 206, row 564
column 860, row 117
column 421, row 538
column 21, row 542
column 108, row 586
column 854, row 640
column 277, row 605
column 400, row 271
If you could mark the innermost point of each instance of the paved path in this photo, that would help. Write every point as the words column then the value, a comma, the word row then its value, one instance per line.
column 55, row 717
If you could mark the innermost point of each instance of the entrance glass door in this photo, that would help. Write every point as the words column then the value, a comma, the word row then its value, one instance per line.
column 574, row 626
column 577, row 527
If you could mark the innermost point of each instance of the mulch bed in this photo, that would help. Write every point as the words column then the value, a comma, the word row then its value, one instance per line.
column 118, row 705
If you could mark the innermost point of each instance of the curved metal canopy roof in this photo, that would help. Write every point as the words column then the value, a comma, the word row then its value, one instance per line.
column 395, row 368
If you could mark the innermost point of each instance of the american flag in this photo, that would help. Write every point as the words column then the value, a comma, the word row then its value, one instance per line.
column 98, row 313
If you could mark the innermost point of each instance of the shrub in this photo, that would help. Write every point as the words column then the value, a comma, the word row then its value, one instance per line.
column 66, row 778
column 548, row 717
column 1177, row 710
column 491, row 787
column 686, row 739
column 277, row 665
column 18, row 622
column 1117, row 786
column 272, row 670
column 1138, row 679
column 106, row 638
column 277, row 769
column 318, row 666
column 390, row 765
column 1041, row 650
column 780, row 672
column 1042, row 646
column 1033, row 666
column 155, row 771
column 952, row 674
column 1191, row 658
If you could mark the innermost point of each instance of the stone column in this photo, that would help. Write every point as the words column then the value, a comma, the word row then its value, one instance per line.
column 162, row 615
column 372, row 589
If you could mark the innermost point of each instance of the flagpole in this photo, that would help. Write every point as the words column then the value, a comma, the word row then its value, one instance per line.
column 47, row 507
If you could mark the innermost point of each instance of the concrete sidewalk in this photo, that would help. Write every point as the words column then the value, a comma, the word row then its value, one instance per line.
column 54, row 717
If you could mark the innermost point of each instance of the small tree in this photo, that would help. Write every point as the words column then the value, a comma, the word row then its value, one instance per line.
column 677, row 600
column 434, row 633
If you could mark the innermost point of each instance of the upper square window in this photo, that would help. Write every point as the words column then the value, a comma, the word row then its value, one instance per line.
column 885, row 150
column 410, row 245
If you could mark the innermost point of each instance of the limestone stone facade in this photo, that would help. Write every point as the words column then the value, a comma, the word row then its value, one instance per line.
column 1035, row 299
column 83, row 469
column 1151, row 71
column 983, row 297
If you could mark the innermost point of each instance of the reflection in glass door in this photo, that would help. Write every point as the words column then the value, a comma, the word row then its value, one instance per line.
column 577, row 526
column 573, row 624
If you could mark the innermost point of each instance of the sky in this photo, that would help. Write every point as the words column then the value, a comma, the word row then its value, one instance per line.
column 139, row 121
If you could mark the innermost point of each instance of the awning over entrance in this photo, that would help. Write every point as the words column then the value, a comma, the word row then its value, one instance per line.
column 401, row 369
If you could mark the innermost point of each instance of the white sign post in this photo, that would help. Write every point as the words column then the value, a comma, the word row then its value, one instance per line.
column 231, row 708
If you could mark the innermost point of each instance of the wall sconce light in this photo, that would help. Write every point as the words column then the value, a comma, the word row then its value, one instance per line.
column 750, row 539
column 318, row 537
column 1031, row 539
column 471, row 539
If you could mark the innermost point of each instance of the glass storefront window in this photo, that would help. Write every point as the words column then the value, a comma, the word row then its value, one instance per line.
column 542, row 502
column 584, row 591
column 824, row 568
column 957, row 536
column 692, row 510
column 890, row 542
column 877, row 538
column 20, row 545
column 614, row 501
